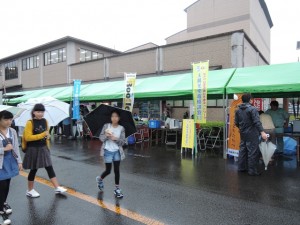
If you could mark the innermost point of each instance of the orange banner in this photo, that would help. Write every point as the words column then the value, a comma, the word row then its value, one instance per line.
column 234, row 138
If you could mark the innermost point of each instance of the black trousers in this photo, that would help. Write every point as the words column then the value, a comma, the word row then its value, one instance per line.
column 4, row 189
column 249, row 155
column 116, row 170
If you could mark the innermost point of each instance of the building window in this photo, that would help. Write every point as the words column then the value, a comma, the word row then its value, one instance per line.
column 31, row 63
column 11, row 70
column 55, row 56
column 87, row 55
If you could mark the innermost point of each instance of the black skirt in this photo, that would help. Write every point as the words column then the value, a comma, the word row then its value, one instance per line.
column 37, row 157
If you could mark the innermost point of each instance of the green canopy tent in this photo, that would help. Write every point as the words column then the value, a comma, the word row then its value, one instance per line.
column 180, row 86
column 279, row 80
column 102, row 91
column 159, row 87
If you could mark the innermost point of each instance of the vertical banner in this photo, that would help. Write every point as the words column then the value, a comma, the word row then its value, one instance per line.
column 258, row 103
column 128, row 99
column 76, row 103
column 200, row 73
column 188, row 133
column 234, row 138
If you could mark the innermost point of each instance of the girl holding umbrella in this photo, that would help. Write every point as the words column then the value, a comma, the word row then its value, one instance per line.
column 113, row 138
column 37, row 155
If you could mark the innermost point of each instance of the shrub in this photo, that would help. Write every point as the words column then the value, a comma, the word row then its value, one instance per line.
column 210, row 124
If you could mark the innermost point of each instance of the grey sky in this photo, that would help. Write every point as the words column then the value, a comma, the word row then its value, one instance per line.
column 123, row 24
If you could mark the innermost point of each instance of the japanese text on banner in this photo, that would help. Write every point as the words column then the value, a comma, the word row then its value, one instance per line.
column 200, row 76
column 233, row 132
column 128, row 99
column 188, row 133
column 76, row 103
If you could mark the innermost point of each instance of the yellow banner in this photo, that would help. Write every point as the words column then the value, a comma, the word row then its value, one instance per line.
column 188, row 133
column 200, row 76
column 234, row 133
column 128, row 99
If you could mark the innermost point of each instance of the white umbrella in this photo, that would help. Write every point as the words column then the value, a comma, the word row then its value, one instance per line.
column 56, row 110
column 16, row 111
column 267, row 149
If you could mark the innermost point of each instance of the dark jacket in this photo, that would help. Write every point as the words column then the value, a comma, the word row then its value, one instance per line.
column 248, row 121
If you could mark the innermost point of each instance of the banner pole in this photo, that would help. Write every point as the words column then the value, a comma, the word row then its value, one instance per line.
column 194, row 149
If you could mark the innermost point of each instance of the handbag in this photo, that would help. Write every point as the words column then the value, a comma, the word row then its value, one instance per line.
column 24, row 142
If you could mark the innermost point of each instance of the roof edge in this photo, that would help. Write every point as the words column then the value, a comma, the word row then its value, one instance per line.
column 267, row 13
column 56, row 42
column 191, row 5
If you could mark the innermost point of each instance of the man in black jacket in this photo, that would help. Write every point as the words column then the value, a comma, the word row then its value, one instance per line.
column 248, row 121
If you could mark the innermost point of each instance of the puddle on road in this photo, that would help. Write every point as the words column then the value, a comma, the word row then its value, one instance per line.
column 138, row 155
column 64, row 157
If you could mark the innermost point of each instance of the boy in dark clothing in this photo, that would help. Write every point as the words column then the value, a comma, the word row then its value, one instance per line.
column 248, row 121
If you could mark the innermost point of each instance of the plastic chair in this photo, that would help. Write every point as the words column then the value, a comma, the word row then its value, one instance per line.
column 139, row 136
column 146, row 134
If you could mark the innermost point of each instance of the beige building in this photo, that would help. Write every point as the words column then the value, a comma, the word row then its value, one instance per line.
column 211, row 17
column 48, row 64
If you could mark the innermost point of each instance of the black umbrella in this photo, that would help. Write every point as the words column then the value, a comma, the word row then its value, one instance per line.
column 102, row 114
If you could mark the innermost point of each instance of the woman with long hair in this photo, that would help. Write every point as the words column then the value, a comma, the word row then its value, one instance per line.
column 36, row 135
column 10, row 162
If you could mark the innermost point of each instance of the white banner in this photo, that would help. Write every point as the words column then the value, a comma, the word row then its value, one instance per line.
column 128, row 99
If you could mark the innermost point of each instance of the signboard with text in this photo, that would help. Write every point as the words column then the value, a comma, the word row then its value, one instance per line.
column 234, row 138
column 76, row 103
column 128, row 99
column 188, row 133
column 258, row 103
column 200, row 75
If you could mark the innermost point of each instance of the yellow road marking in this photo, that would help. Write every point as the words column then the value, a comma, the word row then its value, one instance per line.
column 114, row 208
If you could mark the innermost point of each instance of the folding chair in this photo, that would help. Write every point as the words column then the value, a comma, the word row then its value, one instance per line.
column 201, row 138
column 213, row 139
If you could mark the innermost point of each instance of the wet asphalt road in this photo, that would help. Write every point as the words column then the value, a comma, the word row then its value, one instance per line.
column 161, row 185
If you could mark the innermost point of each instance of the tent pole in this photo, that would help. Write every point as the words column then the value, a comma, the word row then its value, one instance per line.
column 225, row 107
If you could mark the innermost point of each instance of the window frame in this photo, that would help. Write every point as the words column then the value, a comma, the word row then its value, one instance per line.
column 9, row 67
column 31, row 62
column 59, row 58
column 84, row 53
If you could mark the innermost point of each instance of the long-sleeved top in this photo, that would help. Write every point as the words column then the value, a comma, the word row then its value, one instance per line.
column 32, row 135
column 119, row 143
column 248, row 121
column 15, row 148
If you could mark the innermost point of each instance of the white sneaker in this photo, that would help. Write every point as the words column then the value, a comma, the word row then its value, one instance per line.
column 60, row 190
column 4, row 219
column 33, row 194
column 7, row 209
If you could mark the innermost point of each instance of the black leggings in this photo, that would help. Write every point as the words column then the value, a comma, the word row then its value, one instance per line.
column 49, row 169
column 116, row 170
column 4, row 189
